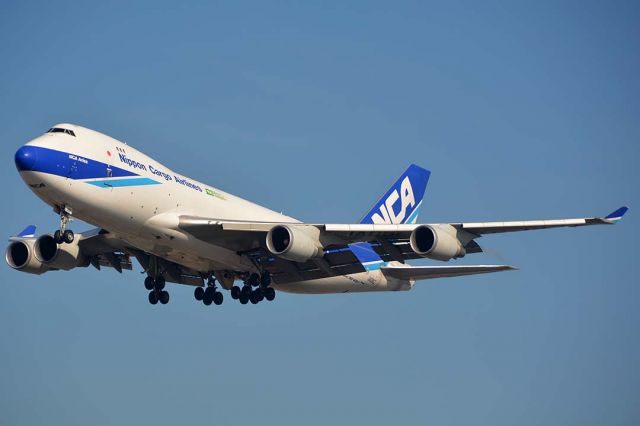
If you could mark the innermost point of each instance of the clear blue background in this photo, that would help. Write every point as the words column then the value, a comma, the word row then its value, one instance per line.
column 522, row 111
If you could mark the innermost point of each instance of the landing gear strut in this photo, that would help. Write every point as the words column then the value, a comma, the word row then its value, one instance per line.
column 156, row 285
column 210, row 294
column 64, row 235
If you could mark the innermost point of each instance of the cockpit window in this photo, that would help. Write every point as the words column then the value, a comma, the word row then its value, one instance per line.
column 61, row 130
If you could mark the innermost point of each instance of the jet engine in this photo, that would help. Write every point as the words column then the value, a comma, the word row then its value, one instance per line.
column 298, row 243
column 20, row 255
column 436, row 242
column 59, row 256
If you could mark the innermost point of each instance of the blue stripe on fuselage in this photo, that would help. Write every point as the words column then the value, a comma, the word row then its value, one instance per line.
column 115, row 183
column 70, row 165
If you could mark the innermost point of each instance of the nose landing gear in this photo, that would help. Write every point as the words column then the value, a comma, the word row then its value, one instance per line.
column 64, row 235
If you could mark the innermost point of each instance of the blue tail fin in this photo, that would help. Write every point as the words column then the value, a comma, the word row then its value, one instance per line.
column 401, row 203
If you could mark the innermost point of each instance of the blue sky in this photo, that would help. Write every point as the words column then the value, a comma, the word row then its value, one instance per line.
column 521, row 111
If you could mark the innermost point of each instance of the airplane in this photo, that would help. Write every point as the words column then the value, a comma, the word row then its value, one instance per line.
column 187, row 232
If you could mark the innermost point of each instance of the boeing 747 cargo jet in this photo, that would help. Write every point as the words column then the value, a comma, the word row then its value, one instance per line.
column 187, row 232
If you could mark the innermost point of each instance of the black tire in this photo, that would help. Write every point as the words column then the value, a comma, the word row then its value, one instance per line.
column 235, row 292
column 243, row 299
column 265, row 279
column 270, row 294
column 68, row 236
column 254, row 280
column 57, row 237
column 259, row 294
column 148, row 283
column 218, row 298
column 246, row 291
column 198, row 293
column 254, row 299
column 160, row 282
column 164, row 297
column 153, row 298
column 207, row 298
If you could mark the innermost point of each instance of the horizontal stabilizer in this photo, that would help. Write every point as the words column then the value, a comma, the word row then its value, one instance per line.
column 428, row 272
column 29, row 231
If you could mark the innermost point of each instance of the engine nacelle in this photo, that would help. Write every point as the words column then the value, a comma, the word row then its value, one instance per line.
column 20, row 255
column 437, row 242
column 298, row 243
column 59, row 256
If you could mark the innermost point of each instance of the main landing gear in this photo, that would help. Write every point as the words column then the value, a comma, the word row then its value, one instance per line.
column 263, row 290
column 64, row 235
column 157, row 293
column 210, row 294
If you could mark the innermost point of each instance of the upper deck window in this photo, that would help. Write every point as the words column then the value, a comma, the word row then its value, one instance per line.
column 61, row 130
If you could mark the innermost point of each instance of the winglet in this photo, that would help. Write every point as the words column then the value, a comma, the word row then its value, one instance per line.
column 617, row 215
column 29, row 231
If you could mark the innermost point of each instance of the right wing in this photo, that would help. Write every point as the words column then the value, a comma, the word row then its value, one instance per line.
column 390, row 242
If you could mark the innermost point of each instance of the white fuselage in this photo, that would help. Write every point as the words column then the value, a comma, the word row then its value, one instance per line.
column 143, row 206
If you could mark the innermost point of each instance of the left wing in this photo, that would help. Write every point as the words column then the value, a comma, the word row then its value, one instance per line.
column 104, row 249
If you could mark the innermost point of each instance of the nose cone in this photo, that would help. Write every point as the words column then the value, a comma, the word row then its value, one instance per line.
column 26, row 158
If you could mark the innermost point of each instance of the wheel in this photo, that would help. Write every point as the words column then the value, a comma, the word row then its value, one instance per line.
column 198, row 293
column 265, row 279
column 57, row 236
column 148, row 283
column 153, row 297
column 160, row 282
column 259, row 293
column 68, row 236
column 270, row 293
column 243, row 299
column 235, row 292
column 254, row 298
column 164, row 297
column 218, row 298
column 207, row 297
column 246, row 291
column 254, row 280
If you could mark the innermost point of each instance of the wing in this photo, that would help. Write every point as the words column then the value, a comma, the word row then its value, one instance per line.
column 390, row 242
column 104, row 249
